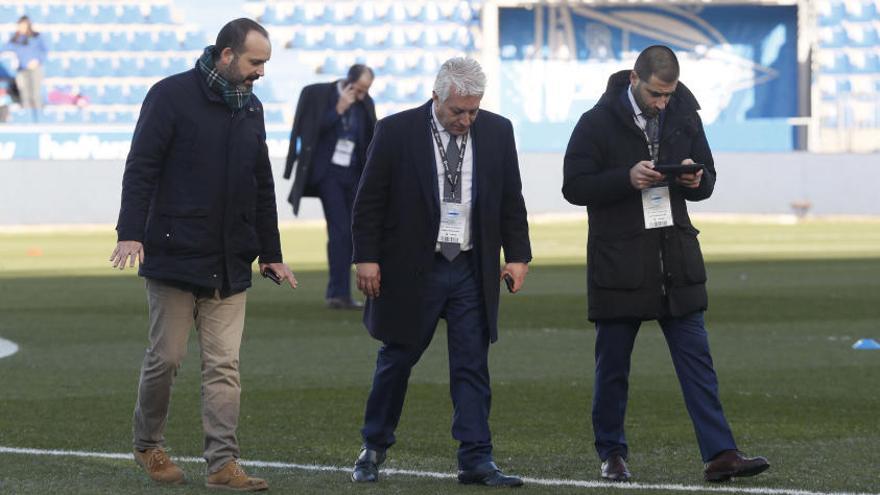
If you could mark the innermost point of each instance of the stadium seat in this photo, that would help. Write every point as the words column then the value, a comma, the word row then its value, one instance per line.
column 81, row 14
column 195, row 40
column 55, row 67
column 67, row 41
column 92, row 41
column 153, row 67
column 167, row 41
column 113, row 95
column 271, row 16
column 56, row 14
column 128, row 67
column 8, row 14
column 35, row 12
column 98, row 117
column 103, row 67
column 106, row 14
column 364, row 15
column 159, row 14
column 117, row 41
column 78, row 67
column 141, row 41
column 131, row 14
column 180, row 64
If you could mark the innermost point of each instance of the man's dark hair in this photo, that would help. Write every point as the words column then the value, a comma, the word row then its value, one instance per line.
column 658, row 61
column 356, row 71
column 233, row 34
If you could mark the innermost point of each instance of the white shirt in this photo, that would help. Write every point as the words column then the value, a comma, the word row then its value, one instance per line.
column 638, row 116
column 467, row 172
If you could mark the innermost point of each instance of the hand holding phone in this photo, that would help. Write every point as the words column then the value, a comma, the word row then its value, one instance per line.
column 271, row 275
column 508, row 281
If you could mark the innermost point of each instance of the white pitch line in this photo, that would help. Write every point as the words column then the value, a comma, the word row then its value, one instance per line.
column 437, row 475
column 7, row 348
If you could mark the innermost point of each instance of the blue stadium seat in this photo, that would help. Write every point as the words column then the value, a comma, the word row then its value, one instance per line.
column 98, row 117
column 35, row 12
column 141, row 41
column 136, row 93
column 74, row 117
column 364, row 15
column 56, row 14
column 103, row 67
column 113, row 95
column 299, row 41
column 66, row 41
column 360, row 41
column 131, row 14
column 167, row 41
column 125, row 117
column 271, row 16
column 78, row 67
column 117, row 41
column 195, row 40
column 106, row 14
column 92, row 41
column 153, row 67
column 159, row 14
column 429, row 13
column 8, row 14
column 836, row 14
column 90, row 91
column 81, row 14
column 55, row 67
column 332, row 66
column 180, row 64
column 128, row 67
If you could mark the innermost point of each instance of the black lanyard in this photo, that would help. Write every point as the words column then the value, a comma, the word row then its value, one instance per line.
column 452, row 178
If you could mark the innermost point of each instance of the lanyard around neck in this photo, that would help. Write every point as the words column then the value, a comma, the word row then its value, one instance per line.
column 452, row 178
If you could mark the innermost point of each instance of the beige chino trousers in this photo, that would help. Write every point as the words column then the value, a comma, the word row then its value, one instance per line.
column 219, row 324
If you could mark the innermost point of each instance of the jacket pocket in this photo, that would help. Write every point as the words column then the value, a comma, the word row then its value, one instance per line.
column 184, row 228
column 693, row 267
column 617, row 263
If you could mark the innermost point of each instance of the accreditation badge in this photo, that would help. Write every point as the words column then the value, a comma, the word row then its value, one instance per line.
column 657, row 207
column 452, row 219
column 342, row 153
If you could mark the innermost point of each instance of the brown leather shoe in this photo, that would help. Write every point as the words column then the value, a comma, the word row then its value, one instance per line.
column 159, row 466
column 232, row 477
column 614, row 469
column 733, row 464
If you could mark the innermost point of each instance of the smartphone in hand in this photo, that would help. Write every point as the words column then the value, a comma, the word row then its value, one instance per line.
column 268, row 273
column 508, row 281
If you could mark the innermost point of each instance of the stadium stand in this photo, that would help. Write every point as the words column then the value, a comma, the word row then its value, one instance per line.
column 108, row 53
column 403, row 39
column 847, row 78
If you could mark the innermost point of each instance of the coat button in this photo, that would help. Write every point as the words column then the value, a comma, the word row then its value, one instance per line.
column 214, row 275
column 167, row 235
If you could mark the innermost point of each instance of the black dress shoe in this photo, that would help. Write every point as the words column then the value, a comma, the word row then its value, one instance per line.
column 366, row 468
column 733, row 464
column 487, row 474
column 614, row 469
column 343, row 303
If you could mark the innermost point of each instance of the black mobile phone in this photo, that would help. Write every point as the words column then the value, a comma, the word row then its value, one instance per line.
column 508, row 281
column 679, row 169
column 271, row 275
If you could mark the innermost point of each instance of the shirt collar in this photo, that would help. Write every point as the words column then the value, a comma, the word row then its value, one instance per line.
column 437, row 120
column 632, row 100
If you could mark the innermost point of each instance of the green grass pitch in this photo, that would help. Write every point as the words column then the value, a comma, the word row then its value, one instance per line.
column 786, row 304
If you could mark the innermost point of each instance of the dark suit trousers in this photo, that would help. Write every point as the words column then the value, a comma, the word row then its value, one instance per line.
column 689, row 346
column 453, row 292
column 337, row 198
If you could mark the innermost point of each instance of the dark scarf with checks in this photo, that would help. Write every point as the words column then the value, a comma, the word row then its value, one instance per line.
column 235, row 97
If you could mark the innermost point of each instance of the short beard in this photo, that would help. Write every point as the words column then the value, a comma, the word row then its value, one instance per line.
column 231, row 75
column 637, row 94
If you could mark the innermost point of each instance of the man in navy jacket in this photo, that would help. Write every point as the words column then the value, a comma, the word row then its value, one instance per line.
column 643, row 257
column 198, row 206
column 439, row 197
column 332, row 128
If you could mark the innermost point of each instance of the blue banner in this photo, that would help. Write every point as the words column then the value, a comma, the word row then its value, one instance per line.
column 740, row 62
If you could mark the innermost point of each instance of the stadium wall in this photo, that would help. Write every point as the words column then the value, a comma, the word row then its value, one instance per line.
column 88, row 192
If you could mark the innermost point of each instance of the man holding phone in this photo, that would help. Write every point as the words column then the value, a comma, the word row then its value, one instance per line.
column 332, row 128
column 644, row 260
column 198, row 206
